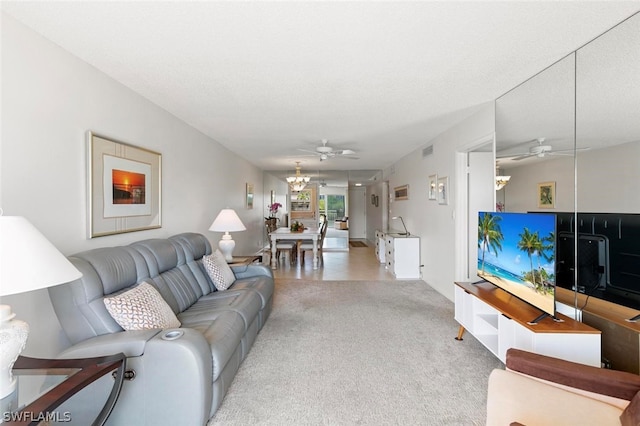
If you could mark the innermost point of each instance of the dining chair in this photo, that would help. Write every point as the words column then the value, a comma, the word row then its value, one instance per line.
column 282, row 246
column 307, row 245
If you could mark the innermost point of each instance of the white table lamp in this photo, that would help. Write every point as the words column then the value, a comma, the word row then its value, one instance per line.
column 227, row 221
column 28, row 261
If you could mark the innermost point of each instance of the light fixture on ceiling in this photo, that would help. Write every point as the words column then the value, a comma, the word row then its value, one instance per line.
column 298, row 182
column 501, row 181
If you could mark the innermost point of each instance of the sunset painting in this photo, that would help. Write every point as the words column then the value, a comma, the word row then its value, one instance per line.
column 128, row 187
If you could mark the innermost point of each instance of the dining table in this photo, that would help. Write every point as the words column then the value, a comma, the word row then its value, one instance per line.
column 285, row 233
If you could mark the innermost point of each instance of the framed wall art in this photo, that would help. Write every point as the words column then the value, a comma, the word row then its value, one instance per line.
column 443, row 190
column 401, row 192
column 546, row 195
column 124, row 187
column 433, row 187
column 249, row 201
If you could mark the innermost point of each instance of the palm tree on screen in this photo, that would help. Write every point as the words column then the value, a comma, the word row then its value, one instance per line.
column 531, row 244
column 490, row 235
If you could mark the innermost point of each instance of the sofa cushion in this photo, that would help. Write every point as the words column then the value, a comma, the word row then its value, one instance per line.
column 219, row 270
column 223, row 330
column 141, row 308
column 244, row 302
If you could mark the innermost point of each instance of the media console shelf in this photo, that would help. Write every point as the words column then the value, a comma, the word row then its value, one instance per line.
column 499, row 321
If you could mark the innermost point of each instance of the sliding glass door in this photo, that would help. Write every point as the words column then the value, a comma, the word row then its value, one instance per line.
column 332, row 206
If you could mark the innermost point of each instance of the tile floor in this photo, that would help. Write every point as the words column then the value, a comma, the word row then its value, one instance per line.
column 340, row 263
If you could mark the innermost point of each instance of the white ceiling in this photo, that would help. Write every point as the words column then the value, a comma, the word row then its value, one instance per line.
column 267, row 78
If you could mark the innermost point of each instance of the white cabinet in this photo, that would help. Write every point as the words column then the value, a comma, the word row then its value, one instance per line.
column 499, row 321
column 402, row 255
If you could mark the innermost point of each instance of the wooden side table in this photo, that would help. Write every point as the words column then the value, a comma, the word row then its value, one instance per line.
column 80, row 372
column 244, row 260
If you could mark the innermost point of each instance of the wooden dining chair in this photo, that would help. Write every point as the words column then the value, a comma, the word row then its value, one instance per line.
column 307, row 245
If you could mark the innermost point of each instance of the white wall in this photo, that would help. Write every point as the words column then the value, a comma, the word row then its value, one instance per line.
column 521, row 193
column 597, row 169
column 375, row 214
column 434, row 223
column 49, row 100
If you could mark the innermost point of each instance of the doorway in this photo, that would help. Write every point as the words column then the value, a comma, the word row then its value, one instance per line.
column 475, row 170
column 334, row 203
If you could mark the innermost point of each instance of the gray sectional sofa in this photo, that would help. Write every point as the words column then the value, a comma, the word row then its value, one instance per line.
column 181, row 375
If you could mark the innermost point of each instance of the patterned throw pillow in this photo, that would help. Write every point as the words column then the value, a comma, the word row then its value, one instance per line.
column 141, row 308
column 218, row 270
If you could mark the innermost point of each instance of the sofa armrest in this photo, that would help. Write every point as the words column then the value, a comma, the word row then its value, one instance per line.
column 617, row 384
column 130, row 343
column 247, row 271
column 172, row 383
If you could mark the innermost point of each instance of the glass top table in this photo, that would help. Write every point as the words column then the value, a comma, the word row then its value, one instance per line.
column 64, row 378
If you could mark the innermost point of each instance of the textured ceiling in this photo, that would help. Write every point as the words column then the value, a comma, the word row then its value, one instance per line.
column 267, row 78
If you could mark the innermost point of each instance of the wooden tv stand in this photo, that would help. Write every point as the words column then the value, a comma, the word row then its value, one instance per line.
column 620, row 338
column 500, row 321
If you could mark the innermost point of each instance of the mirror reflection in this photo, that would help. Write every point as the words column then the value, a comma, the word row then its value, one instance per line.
column 608, row 121
column 535, row 139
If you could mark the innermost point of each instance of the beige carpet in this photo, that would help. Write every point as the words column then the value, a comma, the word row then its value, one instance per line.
column 359, row 353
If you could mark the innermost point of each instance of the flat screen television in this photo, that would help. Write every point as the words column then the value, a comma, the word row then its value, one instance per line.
column 516, row 252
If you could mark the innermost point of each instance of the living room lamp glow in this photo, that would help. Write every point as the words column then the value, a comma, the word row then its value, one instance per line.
column 227, row 221
column 28, row 261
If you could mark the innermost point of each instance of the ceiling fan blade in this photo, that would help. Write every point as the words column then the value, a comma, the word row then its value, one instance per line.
column 345, row 152
column 522, row 157
column 309, row 151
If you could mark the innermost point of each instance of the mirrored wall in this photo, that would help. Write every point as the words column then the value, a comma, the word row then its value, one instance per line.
column 569, row 137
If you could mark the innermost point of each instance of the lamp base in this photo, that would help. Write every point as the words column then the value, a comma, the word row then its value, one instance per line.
column 226, row 246
column 13, row 337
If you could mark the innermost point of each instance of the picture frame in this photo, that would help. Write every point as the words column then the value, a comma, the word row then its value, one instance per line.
column 273, row 197
column 373, row 199
column 249, row 197
column 123, row 187
column 376, row 203
column 401, row 192
column 443, row 190
column 432, row 190
column 546, row 195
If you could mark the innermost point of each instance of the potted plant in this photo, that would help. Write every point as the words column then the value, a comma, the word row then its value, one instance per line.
column 273, row 209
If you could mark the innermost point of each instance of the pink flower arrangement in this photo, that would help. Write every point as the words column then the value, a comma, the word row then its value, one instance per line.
column 273, row 208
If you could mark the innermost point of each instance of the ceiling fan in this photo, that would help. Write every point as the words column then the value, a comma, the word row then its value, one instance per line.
column 540, row 150
column 325, row 152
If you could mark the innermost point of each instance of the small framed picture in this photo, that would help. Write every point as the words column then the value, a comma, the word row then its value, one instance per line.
column 443, row 190
column 401, row 192
column 376, row 201
column 433, row 187
column 249, row 196
column 546, row 195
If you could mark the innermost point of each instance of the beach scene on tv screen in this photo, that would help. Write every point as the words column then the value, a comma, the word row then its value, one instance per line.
column 516, row 251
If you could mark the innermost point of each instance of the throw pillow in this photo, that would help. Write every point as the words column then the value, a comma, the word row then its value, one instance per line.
column 631, row 415
column 141, row 308
column 219, row 271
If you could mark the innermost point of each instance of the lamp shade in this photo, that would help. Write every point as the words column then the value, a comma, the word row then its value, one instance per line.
column 28, row 261
column 227, row 221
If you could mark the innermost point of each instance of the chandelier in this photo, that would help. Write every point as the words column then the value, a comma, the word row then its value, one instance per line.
column 298, row 182
column 501, row 181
